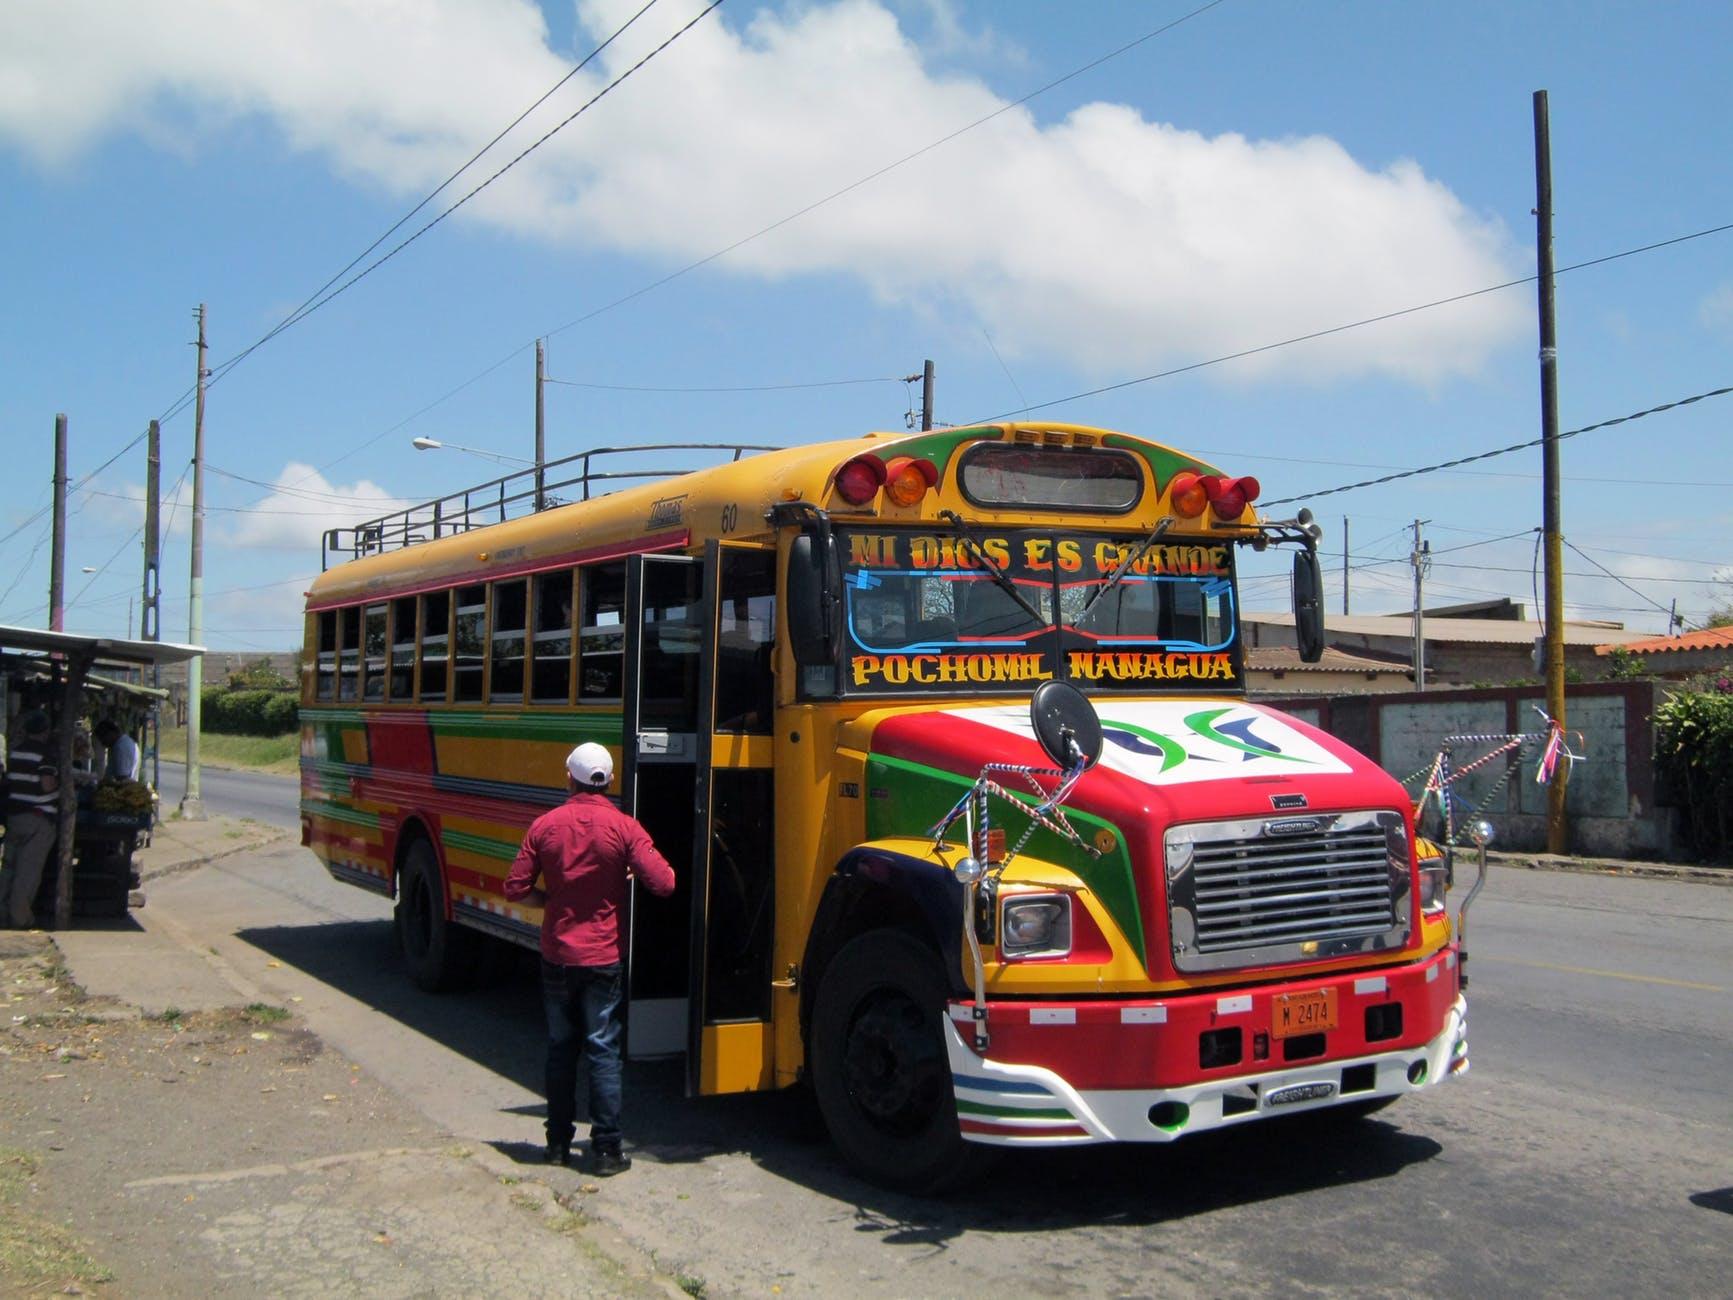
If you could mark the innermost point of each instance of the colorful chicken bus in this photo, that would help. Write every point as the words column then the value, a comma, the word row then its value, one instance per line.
column 815, row 666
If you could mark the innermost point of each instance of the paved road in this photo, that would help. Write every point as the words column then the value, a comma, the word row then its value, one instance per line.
column 274, row 800
column 1589, row 1152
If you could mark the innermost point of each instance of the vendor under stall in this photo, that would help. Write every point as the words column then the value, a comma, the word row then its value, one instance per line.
column 78, row 817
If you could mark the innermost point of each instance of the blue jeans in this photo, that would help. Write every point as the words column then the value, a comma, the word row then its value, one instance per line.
column 583, row 1004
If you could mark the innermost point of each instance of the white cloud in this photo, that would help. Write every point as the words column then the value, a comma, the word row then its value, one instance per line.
column 1104, row 239
column 1716, row 310
column 301, row 506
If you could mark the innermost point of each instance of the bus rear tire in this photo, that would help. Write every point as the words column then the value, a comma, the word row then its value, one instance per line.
column 880, row 1073
column 438, row 955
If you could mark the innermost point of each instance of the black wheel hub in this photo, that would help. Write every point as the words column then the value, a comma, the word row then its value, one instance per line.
column 892, row 1064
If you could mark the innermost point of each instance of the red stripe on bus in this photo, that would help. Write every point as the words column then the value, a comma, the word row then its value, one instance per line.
column 483, row 573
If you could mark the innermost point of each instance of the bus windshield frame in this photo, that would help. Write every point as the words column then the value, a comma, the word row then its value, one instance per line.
column 929, row 611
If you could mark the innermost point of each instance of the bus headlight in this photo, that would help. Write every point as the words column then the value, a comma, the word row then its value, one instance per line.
column 1035, row 925
column 1434, row 883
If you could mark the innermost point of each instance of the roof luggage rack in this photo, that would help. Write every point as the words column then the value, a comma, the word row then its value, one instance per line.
column 522, row 492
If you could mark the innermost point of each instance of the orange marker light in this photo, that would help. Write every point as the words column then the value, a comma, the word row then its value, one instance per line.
column 907, row 479
column 1187, row 494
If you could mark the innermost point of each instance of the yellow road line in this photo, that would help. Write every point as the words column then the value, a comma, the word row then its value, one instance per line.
column 1607, row 974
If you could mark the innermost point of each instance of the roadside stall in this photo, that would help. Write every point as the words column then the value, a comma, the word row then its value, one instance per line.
column 72, row 695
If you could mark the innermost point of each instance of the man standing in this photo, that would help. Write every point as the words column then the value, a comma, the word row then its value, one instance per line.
column 584, row 853
column 32, row 821
column 122, row 763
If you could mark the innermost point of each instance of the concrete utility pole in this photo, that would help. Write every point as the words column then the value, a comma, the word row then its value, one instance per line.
column 57, row 552
column 1344, row 564
column 1557, row 832
column 193, row 804
column 1421, row 558
column 541, row 445
column 149, row 609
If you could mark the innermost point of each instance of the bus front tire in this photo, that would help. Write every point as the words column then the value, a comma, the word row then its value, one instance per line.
column 879, row 1069
column 436, row 953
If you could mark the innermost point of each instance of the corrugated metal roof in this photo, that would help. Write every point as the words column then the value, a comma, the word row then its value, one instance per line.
column 1710, row 638
column 1473, row 631
column 1286, row 659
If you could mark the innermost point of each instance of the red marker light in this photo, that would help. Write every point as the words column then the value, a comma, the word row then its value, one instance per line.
column 1229, row 497
column 859, row 480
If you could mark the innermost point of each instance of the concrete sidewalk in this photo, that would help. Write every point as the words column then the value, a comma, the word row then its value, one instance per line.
column 145, row 959
column 182, row 845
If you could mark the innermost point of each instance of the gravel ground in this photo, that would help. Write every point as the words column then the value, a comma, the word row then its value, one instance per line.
column 230, row 1152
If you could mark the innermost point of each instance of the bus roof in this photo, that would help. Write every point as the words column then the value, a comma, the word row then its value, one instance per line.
column 670, row 513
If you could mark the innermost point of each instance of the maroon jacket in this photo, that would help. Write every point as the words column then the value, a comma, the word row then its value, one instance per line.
column 582, row 852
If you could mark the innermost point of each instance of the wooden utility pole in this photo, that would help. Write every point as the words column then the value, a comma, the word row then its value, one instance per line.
column 541, row 445
column 927, row 395
column 193, row 804
column 57, row 552
column 1557, row 831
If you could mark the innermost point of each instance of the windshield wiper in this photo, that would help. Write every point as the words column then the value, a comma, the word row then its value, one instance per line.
column 999, row 576
column 1118, row 575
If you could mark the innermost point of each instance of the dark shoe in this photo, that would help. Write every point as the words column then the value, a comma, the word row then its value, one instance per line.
column 605, row 1163
column 557, row 1153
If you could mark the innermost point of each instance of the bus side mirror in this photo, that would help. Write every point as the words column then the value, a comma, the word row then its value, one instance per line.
column 812, row 600
column 1308, row 606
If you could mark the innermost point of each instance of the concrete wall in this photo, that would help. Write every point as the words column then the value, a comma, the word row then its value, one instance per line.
column 1610, row 802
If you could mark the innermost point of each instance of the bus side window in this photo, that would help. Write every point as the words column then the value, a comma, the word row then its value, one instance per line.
column 400, row 681
column 469, row 637
column 373, row 653
column 348, row 651
column 435, row 645
column 551, row 662
column 327, row 664
column 508, row 623
column 602, row 640
column 745, row 637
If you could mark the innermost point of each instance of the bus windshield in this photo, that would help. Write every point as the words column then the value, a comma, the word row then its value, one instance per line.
column 991, row 611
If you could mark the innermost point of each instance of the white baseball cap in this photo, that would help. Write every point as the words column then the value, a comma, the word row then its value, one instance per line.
column 591, row 764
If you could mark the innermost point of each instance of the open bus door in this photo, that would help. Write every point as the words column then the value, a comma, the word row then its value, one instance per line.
column 729, row 1045
column 665, row 625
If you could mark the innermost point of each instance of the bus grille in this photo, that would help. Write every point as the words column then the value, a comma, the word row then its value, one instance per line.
column 1287, row 888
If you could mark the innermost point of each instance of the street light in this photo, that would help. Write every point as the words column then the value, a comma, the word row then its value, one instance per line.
column 434, row 444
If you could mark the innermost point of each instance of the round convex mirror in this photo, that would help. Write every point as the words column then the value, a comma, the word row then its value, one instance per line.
column 1066, row 725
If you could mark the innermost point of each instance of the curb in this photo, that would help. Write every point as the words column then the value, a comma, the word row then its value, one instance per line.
column 1612, row 867
column 190, row 864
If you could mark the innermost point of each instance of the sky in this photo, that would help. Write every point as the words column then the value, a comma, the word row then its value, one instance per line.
column 1026, row 193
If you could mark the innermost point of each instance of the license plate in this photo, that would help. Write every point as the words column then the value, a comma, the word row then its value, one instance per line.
column 1311, row 1012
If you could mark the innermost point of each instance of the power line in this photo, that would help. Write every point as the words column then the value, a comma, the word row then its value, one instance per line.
column 550, row 134
column 783, row 221
column 734, row 388
column 314, row 301
column 1354, row 325
column 74, row 488
column 1640, row 595
column 1502, row 451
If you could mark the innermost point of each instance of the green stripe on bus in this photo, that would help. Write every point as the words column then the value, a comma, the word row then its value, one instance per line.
column 463, row 841
column 1010, row 1112
column 921, row 795
column 335, row 812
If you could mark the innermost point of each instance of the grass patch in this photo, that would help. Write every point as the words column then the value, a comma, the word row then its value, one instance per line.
column 280, row 754
column 35, row 1255
column 263, row 1013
